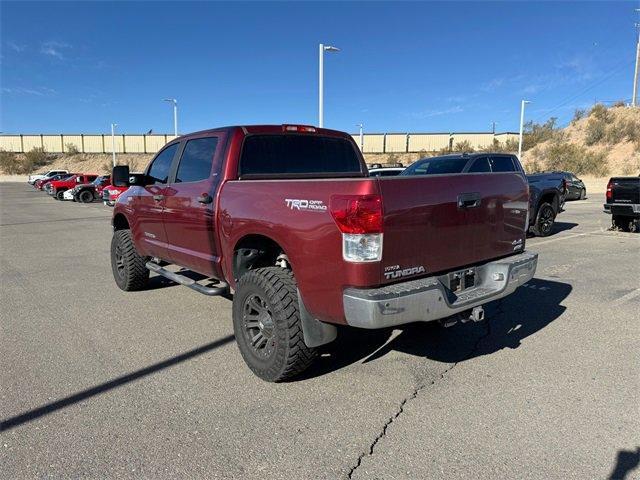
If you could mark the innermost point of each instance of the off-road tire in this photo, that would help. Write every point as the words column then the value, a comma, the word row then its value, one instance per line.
column 545, row 214
column 60, row 194
column 85, row 196
column 128, row 267
column 583, row 194
column 622, row 222
column 288, row 355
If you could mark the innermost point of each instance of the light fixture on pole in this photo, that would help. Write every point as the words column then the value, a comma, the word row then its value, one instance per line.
column 524, row 102
column 321, row 50
column 361, row 136
column 175, row 114
column 113, row 142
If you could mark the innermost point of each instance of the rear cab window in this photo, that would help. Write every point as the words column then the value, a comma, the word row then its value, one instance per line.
column 502, row 163
column 298, row 155
column 480, row 165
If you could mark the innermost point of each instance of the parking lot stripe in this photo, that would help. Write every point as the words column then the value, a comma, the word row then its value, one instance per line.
column 625, row 298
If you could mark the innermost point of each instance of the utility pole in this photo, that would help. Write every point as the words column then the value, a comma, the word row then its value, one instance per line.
column 113, row 142
column 634, row 97
column 493, row 127
column 524, row 102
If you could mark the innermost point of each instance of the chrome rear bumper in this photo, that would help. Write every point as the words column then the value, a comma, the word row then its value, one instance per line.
column 428, row 299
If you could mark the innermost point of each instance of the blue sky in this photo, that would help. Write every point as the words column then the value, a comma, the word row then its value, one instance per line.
column 77, row 67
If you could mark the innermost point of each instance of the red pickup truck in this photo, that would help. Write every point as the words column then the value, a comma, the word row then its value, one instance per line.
column 58, row 187
column 289, row 219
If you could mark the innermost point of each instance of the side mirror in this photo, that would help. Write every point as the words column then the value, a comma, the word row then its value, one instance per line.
column 120, row 176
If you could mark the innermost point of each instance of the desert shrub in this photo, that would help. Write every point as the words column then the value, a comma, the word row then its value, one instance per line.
column 600, row 112
column 463, row 146
column 579, row 114
column 631, row 130
column 595, row 131
column 494, row 146
column 575, row 158
column 33, row 159
column 535, row 133
column 421, row 154
column 9, row 163
column 392, row 158
column 71, row 149
column 511, row 145
column 615, row 133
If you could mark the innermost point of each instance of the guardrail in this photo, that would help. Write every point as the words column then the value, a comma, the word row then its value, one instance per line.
column 124, row 143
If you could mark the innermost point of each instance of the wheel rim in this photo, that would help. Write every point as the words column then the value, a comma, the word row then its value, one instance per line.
column 546, row 219
column 85, row 197
column 119, row 258
column 259, row 327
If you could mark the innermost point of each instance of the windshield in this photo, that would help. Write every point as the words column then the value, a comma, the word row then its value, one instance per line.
column 436, row 165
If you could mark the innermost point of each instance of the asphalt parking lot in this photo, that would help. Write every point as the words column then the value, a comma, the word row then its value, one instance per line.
column 96, row 382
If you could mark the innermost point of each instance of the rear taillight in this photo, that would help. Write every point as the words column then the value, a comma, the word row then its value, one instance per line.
column 359, row 218
column 609, row 192
column 357, row 213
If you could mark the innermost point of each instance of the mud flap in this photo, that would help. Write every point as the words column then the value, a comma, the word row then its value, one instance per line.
column 315, row 332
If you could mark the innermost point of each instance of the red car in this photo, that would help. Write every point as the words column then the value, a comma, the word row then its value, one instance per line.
column 290, row 219
column 57, row 188
column 41, row 183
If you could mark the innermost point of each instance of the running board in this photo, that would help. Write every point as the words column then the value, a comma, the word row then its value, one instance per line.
column 188, row 282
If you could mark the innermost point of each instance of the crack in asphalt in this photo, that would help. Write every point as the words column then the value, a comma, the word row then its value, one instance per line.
column 416, row 392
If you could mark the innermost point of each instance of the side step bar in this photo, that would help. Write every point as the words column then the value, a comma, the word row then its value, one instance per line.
column 188, row 282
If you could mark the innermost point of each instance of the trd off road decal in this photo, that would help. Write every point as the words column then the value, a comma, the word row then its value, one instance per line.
column 306, row 205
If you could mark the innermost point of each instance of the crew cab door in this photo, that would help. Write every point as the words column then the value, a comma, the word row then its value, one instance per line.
column 148, row 203
column 190, row 204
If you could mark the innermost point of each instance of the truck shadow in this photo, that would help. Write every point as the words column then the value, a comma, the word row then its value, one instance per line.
column 557, row 228
column 508, row 321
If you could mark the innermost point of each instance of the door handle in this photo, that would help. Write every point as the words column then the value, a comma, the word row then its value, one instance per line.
column 469, row 200
column 158, row 198
column 205, row 198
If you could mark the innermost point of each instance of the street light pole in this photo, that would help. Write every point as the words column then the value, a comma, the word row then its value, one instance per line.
column 634, row 101
column 321, row 49
column 524, row 102
column 175, row 114
column 113, row 142
column 361, row 136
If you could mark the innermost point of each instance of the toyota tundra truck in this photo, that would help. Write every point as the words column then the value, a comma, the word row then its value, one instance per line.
column 288, row 220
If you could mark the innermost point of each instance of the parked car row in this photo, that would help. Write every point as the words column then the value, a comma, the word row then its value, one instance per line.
column 78, row 187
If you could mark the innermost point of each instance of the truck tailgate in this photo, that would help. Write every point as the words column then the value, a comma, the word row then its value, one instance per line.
column 625, row 190
column 435, row 223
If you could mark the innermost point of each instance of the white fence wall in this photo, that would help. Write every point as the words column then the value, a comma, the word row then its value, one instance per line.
column 372, row 142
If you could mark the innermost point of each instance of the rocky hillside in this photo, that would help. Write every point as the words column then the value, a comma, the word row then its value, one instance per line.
column 603, row 141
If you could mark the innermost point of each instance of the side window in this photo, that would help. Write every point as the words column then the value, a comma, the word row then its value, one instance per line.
column 195, row 163
column 480, row 165
column 502, row 164
column 159, row 171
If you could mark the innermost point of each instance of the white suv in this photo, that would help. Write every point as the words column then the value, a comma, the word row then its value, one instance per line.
column 32, row 178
